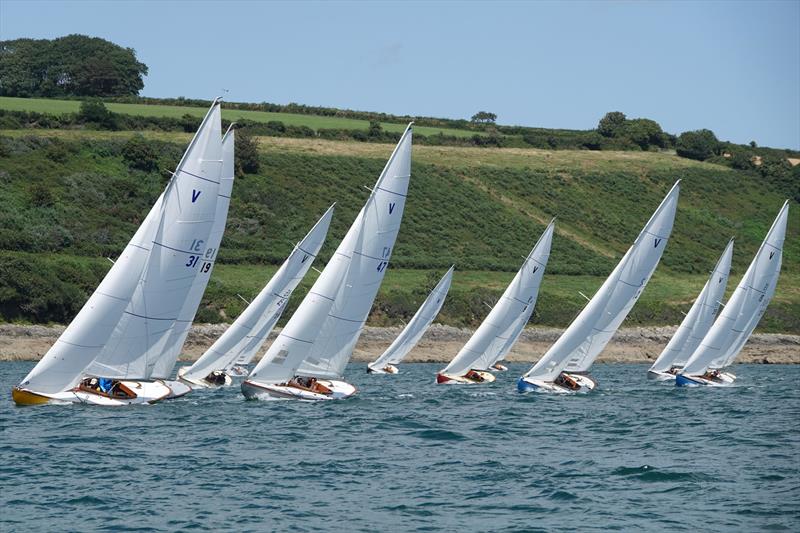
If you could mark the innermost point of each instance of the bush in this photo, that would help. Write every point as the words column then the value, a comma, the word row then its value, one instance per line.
column 698, row 145
column 246, row 153
column 139, row 154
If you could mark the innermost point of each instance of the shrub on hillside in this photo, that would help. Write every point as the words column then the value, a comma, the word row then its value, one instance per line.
column 139, row 154
column 698, row 145
column 246, row 153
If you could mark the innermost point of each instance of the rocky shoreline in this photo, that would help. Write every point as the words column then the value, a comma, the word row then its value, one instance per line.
column 440, row 344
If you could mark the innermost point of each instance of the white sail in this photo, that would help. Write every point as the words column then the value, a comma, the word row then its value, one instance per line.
column 418, row 324
column 589, row 333
column 321, row 334
column 176, row 256
column 62, row 366
column 500, row 324
column 163, row 366
column 699, row 318
column 250, row 329
column 746, row 306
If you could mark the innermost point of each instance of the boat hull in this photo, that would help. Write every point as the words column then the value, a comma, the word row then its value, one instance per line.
column 202, row 383
column 724, row 379
column 388, row 369
column 446, row 379
column 252, row 390
column 660, row 376
column 497, row 367
column 146, row 392
column 585, row 383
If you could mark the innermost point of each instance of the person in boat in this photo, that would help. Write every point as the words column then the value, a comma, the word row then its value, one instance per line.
column 566, row 381
column 473, row 376
column 105, row 385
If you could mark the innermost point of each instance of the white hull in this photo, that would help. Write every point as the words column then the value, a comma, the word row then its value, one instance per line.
column 585, row 384
column 660, row 376
column 497, row 367
column 237, row 371
column 202, row 383
column 388, row 369
column 146, row 392
column 446, row 379
column 253, row 390
column 723, row 379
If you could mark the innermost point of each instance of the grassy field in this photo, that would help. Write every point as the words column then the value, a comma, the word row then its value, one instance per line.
column 70, row 198
column 315, row 122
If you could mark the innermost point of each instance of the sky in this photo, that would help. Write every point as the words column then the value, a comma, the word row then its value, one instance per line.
column 732, row 67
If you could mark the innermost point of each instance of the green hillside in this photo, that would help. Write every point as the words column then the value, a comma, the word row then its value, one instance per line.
column 68, row 199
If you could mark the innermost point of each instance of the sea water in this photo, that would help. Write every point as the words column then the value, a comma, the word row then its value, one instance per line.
column 408, row 455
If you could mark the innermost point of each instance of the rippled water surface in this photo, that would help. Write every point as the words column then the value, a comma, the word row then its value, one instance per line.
column 406, row 455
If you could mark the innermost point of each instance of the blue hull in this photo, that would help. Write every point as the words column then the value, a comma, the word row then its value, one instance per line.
column 683, row 381
column 524, row 386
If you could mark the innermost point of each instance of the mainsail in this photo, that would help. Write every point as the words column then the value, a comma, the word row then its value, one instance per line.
column 250, row 329
column 323, row 331
column 175, row 258
column 163, row 366
column 417, row 326
column 745, row 307
column 699, row 318
column 589, row 333
column 512, row 310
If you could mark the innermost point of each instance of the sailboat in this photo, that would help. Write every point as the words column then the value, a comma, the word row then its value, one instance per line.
column 104, row 354
column 504, row 322
column 741, row 314
column 564, row 368
column 414, row 330
column 309, row 356
column 243, row 339
column 696, row 323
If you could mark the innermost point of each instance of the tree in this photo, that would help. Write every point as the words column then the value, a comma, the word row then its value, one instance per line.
column 74, row 65
column 246, row 153
column 95, row 112
column 612, row 124
column 484, row 117
column 375, row 131
column 698, row 145
column 644, row 132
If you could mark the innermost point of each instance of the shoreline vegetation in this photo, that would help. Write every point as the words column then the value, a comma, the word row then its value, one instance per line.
column 439, row 345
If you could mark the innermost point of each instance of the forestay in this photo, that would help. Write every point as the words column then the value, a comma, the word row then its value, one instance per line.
column 518, row 301
column 589, row 333
column 176, row 257
column 746, row 306
column 418, row 325
column 326, row 326
column 699, row 318
column 165, row 363
column 250, row 329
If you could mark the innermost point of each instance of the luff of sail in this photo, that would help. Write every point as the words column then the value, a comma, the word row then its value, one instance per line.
column 746, row 306
column 517, row 300
column 248, row 331
column 302, row 334
column 699, row 318
column 418, row 324
column 176, row 257
column 587, row 335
